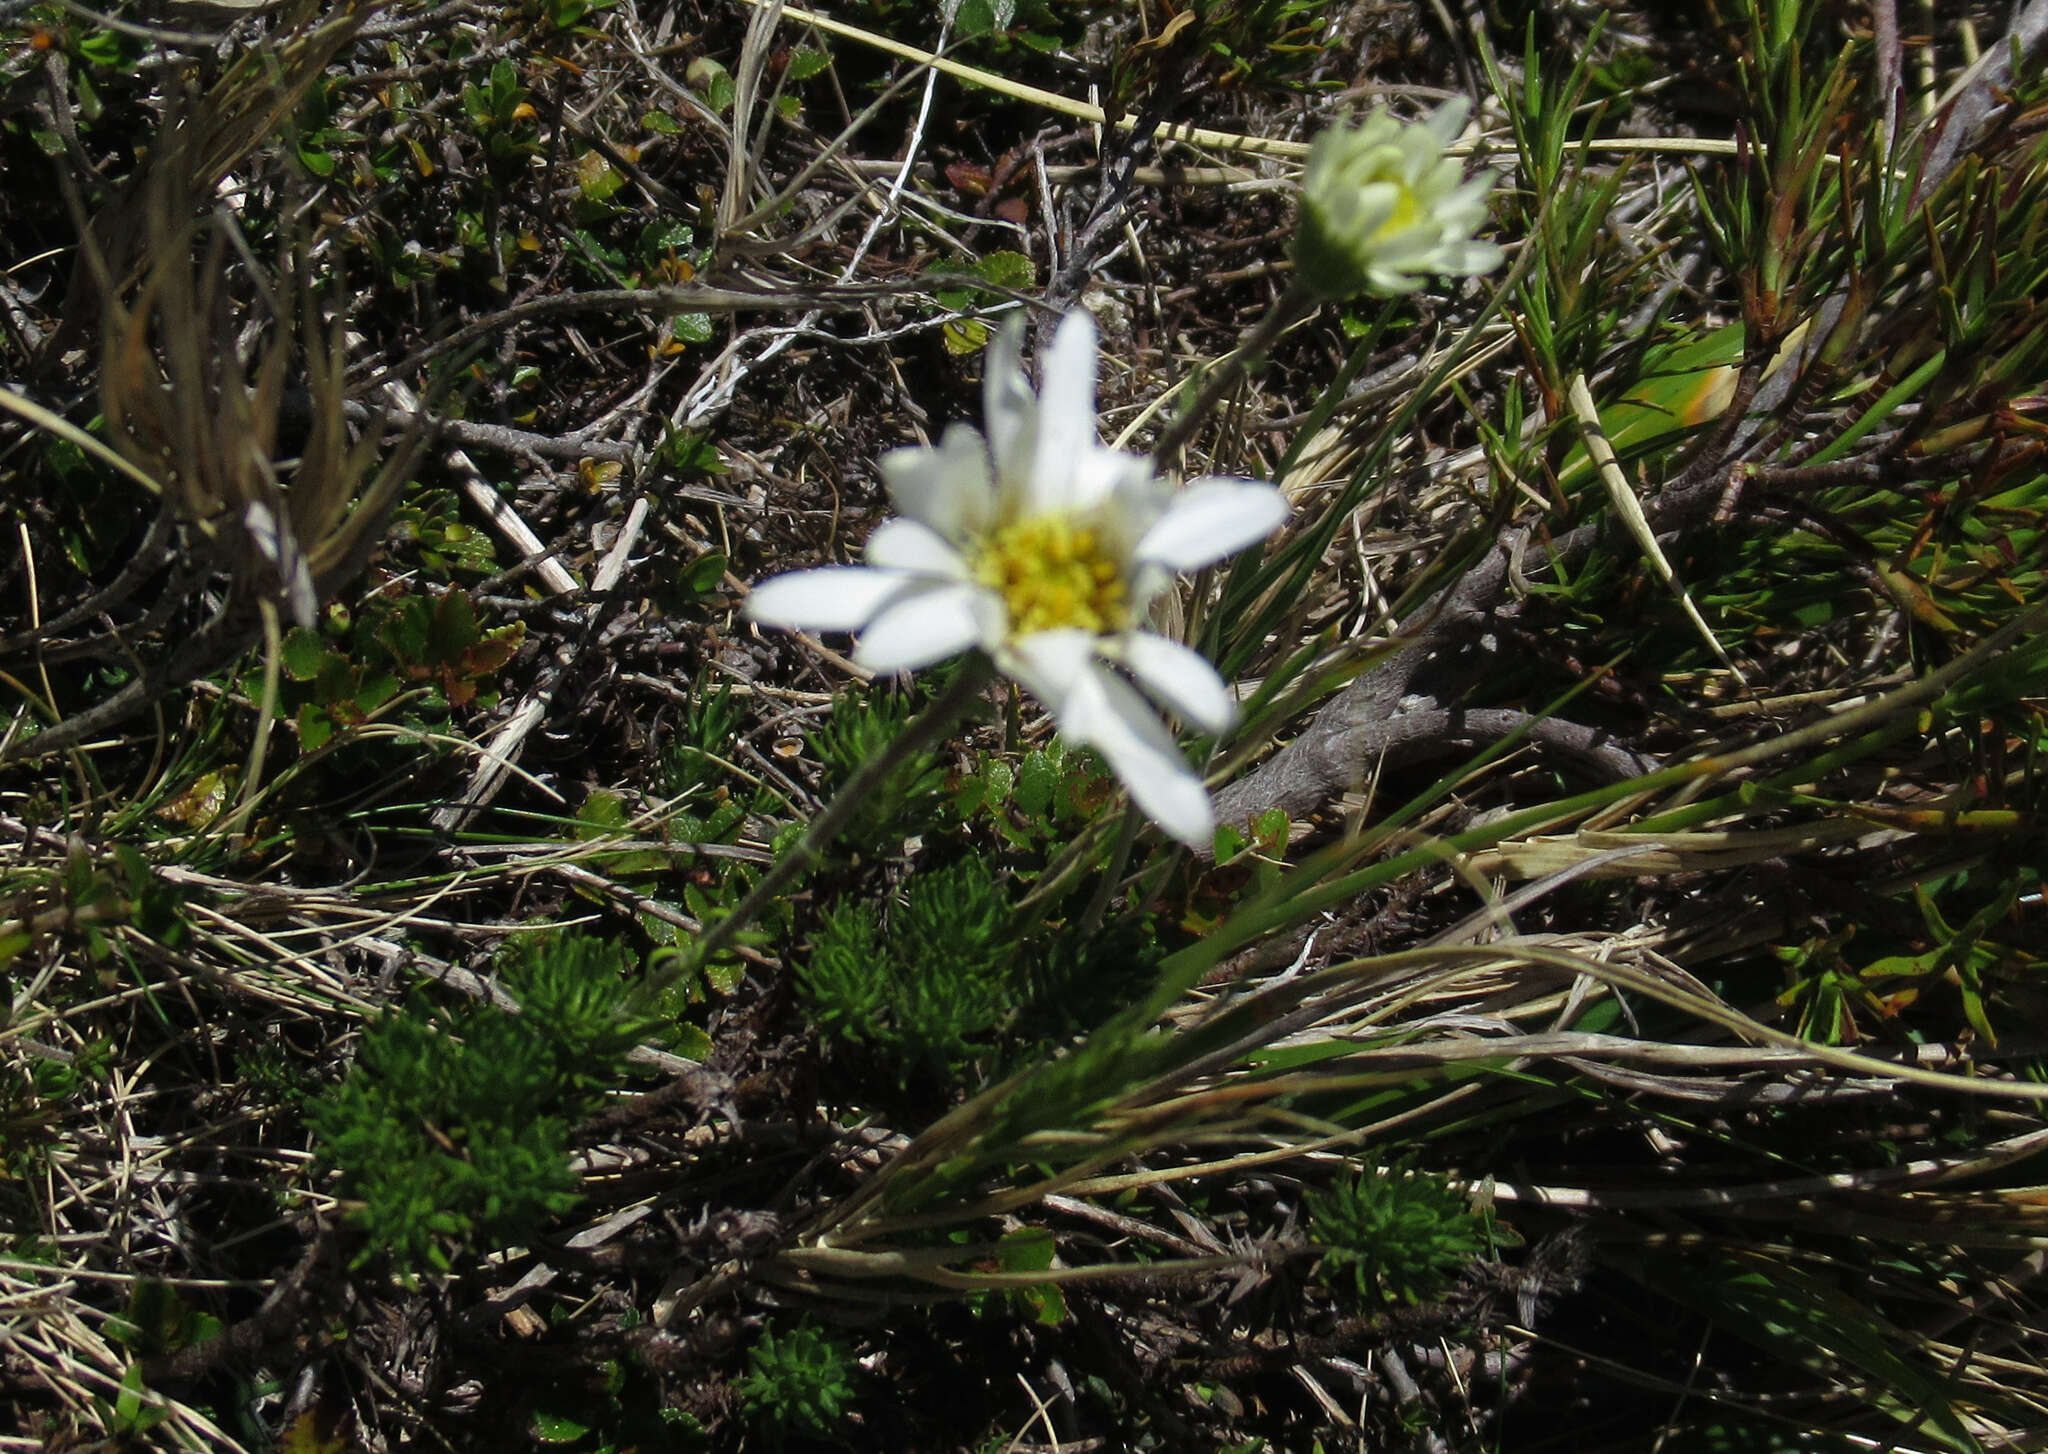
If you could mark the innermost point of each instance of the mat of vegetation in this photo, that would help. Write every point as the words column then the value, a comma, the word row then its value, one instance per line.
column 476, row 979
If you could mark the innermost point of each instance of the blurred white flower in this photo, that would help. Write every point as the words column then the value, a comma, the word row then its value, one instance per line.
column 1044, row 549
column 1382, row 207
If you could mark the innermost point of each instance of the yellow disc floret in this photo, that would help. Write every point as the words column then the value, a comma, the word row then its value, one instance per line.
column 1408, row 210
column 1053, row 572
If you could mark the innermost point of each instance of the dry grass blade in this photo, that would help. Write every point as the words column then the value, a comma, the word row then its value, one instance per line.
column 215, row 131
column 189, row 413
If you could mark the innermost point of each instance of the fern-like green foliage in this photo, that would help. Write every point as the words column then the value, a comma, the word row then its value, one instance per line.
column 920, row 993
column 800, row 1384
column 1393, row 1235
column 1084, row 975
column 453, row 1126
column 861, row 726
column 703, row 736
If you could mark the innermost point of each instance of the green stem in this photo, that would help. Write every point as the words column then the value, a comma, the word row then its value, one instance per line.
column 1288, row 309
column 924, row 729
column 1119, row 855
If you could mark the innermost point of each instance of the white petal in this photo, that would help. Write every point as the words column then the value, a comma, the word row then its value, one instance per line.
column 1066, row 417
column 1106, row 714
column 1381, row 128
column 1147, row 583
column 1049, row 663
column 1467, row 259
column 1387, row 280
column 1464, row 202
column 1010, row 409
column 834, row 598
column 1420, row 152
column 907, row 545
column 1323, row 156
column 1449, row 120
column 928, row 626
column 1179, row 677
column 1212, row 518
column 1100, row 474
column 948, row 487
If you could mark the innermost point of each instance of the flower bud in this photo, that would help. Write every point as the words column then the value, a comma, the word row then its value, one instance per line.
column 1382, row 207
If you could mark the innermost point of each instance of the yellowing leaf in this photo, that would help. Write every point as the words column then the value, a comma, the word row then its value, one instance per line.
column 309, row 1434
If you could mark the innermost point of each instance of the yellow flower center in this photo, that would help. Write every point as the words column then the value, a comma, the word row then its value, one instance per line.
column 1053, row 572
column 1407, row 212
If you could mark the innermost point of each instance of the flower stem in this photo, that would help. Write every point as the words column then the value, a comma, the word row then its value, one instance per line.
column 1287, row 310
column 1119, row 855
column 924, row 729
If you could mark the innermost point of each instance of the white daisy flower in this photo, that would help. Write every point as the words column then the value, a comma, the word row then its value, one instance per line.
column 1044, row 549
column 1382, row 207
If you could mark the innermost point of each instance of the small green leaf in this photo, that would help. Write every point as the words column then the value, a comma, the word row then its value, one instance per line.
column 376, row 689
column 1032, row 1249
column 1006, row 269
column 691, row 1042
column 303, row 653
column 452, row 628
column 1036, row 780
column 1271, row 828
column 315, row 728
column 557, row 1428
column 664, row 236
column 131, row 1414
column 689, row 453
column 992, row 786
column 504, row 89
column 597, row 178
column 602, row 815
column 101, row 47
column 656, row 928
column 964, row 336
column 804, row 63
column 980, row 19
column 702, row 575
